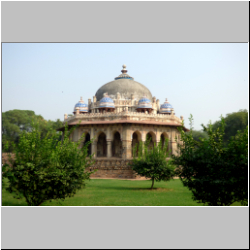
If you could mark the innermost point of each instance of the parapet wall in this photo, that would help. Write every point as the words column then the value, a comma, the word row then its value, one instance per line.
column 134, row 116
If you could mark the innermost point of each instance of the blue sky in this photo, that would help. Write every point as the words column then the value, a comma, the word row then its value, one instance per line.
column 206, row 80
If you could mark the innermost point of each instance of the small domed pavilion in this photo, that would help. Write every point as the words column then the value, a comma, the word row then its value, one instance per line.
column 123, row 112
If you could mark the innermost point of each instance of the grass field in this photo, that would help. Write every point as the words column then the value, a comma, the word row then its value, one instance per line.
column 112, row 192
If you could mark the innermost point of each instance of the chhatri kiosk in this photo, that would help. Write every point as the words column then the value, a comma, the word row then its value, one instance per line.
column 122, row 113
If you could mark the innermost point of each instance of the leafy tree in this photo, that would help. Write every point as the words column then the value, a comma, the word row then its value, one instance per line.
column 216, row 174
column 236, row 121
column 14, row 122
column 152, row 163
column 45, row 168
column 198, row 135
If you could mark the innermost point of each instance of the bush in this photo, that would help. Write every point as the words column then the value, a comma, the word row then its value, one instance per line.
column 216, row 174
column 45, row 168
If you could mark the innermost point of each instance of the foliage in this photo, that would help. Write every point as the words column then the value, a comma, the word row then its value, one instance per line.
column 233, row 122
column 14, row 122
column 152, row 163
column 199, row 135
column 45, row 168
column 216, row 174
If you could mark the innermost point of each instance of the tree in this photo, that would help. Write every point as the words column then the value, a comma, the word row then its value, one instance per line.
column 14, row 122
column 45, row 168
column 152, row 162
column 198, row 135
column 236, row 121
column 216, row 174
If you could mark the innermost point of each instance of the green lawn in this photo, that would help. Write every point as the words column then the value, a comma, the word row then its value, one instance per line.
column 106, row 192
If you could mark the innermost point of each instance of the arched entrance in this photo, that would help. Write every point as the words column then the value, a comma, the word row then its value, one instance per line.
column 164, row 141
column 136, row 138
column 87, row 139
column 117, row 145
column 150, row 139
column 102, row 145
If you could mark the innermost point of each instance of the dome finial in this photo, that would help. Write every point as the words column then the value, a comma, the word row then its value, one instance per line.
column 81, row 101
column 124, row 71
column 124, row 74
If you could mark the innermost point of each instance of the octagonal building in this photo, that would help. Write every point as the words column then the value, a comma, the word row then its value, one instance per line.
column 122, row 113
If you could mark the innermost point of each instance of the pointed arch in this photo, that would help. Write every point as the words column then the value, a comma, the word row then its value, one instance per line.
column 101, row 145
column 165, row 139
column 87, row 140
column 116, row 145
column 136, row 138
column 151, row 137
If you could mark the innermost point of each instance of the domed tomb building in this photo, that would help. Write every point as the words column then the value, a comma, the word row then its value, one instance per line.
column 122, row 113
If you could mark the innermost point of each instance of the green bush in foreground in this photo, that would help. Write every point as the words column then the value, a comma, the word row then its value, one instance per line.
column 216, row 174
column 45, row 168
column 152, row 163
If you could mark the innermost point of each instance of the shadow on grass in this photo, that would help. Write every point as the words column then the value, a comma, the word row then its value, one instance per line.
column 135, row 188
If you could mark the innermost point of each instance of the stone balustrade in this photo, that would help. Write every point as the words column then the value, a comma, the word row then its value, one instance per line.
column 124, row 114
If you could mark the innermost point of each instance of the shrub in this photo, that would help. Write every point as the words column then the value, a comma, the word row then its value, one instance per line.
column 152, row 162
column 45, row 168
column 215, row 172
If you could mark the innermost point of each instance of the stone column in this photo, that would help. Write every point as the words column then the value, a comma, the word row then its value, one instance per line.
column 143, row 136
column 75, row 135
column 126, row 149
column 126, row 142
column 131, row 146
column 94, row 148
column 174, row 148
column 94, row 143
column 109, row 151
column 173, row 144
column 169, row 146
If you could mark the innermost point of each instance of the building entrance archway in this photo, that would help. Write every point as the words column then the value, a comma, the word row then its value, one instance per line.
column 87, row 139
column 117, row 145
column 136, row 138
column 164, row 140
column 102, row 145
column 150, row 139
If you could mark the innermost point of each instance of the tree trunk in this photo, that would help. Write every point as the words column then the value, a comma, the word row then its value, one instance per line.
column 152, row 183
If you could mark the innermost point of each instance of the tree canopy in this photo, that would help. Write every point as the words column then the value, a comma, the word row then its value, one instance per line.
column 199, row 134
column 215, row 172
column 236, row 121
column 14, row 122
column 46, row 168
column 152, row 161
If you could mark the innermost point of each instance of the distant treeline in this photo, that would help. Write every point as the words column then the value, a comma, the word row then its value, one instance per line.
column 233, row 122
column 14, row 122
